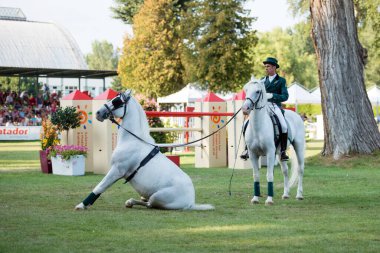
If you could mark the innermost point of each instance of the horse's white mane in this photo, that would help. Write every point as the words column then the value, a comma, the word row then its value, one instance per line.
column 144, row 126
column 254, row 81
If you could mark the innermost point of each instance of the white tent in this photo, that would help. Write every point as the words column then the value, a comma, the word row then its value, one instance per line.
column 188, row 94
column 374, row 94
column 299, row 95
column 316, row 91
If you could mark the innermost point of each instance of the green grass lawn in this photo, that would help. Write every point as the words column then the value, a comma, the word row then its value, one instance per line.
column 340, row 212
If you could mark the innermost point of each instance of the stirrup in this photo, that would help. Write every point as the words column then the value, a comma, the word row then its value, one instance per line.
column 244, row 155
column 284, row 156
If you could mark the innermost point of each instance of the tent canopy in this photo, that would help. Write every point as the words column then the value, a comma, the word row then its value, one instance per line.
column 299, row 95
column 374, row 94
column 188, row 94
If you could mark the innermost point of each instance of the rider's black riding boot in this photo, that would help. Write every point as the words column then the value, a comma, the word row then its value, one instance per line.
column 245, row 154
column 284, row 142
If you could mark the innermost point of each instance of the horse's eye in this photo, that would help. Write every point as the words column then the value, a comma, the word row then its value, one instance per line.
column 257, row 92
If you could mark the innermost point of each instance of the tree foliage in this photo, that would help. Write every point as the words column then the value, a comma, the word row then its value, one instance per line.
column 150, row 62
column 368, row 24
column 28, row 84
column 294, row 50
column 126, row 9
column 178, row 42
column 66, row 118
column 217, row 38
column 103, row 56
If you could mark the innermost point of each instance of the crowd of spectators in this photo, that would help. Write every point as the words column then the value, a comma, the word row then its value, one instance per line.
column 24, row 109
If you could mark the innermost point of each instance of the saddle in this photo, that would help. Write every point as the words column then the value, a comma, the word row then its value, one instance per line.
column 277, row 130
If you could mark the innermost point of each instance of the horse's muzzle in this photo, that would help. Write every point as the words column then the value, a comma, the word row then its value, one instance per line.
column 101, row 116
column 245, row 109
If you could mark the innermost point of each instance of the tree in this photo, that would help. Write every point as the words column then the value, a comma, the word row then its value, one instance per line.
column 116, row 84
column 297, row 62
column 126, row 10
column 368, row 24
column 349, row 125
column 151, row 63
column 103, row 56
column 65, row 119
column 20, row 84
column 217, row 38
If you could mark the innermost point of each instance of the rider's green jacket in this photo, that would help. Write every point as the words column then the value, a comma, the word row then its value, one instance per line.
column 278, row 88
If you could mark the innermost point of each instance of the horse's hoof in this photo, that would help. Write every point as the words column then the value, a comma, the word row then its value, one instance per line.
column 128, row 204
column 255, row 200
column 285, row 196
column 299, row 197
column 269, row 203
column 80, row 206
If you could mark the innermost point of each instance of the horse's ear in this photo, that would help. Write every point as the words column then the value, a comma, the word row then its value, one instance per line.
column 128, row 92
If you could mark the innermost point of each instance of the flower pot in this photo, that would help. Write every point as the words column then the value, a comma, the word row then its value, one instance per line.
column 45, row 162
column 75, row 166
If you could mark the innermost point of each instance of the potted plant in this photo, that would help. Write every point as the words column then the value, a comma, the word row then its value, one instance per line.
column 65, row 119
column 48, row 137
column 68, row 159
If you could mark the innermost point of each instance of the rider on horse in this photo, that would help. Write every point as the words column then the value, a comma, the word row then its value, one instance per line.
column 277, row 92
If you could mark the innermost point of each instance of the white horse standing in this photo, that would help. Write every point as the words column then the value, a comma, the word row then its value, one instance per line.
column 160, row 183
column 259, row 138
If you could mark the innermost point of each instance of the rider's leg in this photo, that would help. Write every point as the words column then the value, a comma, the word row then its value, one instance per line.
column 284, row 134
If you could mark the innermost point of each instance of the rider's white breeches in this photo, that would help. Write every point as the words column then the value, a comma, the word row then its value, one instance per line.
column 273, row 107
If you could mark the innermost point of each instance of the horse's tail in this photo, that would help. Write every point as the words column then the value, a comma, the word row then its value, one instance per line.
column 294, row 167
column 202, row 207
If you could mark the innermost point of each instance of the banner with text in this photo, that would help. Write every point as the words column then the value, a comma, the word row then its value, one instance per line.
column 20, row 133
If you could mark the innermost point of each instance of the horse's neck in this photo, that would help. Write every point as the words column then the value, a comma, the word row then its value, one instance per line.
column 135, row 122
column 257, row 118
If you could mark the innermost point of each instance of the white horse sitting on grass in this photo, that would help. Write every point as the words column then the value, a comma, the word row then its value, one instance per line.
column 259, row 138
column 160, row 183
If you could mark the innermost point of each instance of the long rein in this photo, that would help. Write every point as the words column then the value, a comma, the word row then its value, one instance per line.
column 178, row 145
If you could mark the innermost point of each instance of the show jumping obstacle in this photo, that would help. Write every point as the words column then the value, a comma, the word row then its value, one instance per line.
column 210, row 114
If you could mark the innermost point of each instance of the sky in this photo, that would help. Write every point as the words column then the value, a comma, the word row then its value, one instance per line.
column 90, row 20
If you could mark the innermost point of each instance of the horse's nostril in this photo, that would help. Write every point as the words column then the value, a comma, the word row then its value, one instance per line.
column 97, row 113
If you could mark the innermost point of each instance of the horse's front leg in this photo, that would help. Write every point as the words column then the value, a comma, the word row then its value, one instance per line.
column 270, row 166
column 112, row 176
column 256, row 177
column 131, row 202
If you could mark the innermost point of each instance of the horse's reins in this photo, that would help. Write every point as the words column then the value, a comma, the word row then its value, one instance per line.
column 112, row 118
column 119, row 103
column 254, row 104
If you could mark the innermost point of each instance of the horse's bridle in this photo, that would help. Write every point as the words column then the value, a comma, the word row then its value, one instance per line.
column 120, row 100
column 254, row 104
